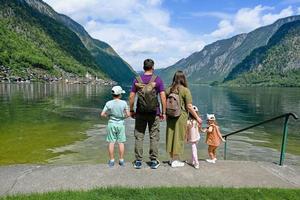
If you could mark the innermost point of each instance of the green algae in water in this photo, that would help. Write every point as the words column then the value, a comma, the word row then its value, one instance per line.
column 36, row 118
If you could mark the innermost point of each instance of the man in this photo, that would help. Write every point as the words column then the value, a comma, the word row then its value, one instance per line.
column 147, row 87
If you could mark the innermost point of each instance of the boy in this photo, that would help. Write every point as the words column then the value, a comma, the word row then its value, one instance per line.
column 117, row 110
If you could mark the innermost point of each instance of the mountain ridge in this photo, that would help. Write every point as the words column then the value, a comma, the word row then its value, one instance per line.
column 102, row 52
column 209, row 65
column 53, row 44
column 275, row 64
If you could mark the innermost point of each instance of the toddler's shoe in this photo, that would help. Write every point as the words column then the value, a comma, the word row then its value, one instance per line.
column 177, row 163
column 122, row 163
column 196, row 165
column 154, row 164
column 210, row 161
column 137, row 164
column 111, row 163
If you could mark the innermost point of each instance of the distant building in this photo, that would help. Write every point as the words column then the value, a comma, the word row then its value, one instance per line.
column 88, row 75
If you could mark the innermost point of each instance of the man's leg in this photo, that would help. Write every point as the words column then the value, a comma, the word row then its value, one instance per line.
column 139, row 133
column 153, row 123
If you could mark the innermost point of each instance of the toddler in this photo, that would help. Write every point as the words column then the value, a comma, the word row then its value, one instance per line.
column 213, row 137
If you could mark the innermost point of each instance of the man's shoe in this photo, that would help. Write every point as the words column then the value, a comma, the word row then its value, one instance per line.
column 154, row 164
column 137, row 164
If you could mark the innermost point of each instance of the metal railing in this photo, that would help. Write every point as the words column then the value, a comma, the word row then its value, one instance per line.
column 284, row 136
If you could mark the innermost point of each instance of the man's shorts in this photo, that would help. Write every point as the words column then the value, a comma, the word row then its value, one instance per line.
column 115, row 133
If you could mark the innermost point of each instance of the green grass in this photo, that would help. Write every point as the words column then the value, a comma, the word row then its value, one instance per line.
column 166, row 193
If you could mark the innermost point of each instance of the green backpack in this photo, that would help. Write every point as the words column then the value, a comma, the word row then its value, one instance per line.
column 147, row 101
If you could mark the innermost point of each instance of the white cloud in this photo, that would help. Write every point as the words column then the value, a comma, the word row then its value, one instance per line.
column 224, row 28
column 221, row 15
column 248, row 19
column 298, row 11
column 270, row 18
column 135, row 29
column 140, row 29
column 154, row 2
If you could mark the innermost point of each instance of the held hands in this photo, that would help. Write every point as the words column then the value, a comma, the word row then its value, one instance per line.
column 199, row 121
column 132, row 114
column 162, row 116
column 204, row 130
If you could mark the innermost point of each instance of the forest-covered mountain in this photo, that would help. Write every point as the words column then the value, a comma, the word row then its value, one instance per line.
column 217, row 60
column 35, row 40
column 275, row 64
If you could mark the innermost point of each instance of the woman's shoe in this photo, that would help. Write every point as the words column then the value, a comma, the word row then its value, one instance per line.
column 177, row 163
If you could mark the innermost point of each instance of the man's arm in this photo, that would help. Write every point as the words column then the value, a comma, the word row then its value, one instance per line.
column 163, row 101
column 131, row 103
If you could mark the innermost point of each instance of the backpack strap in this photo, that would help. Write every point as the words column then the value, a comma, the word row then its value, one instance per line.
column 139, row 79
column 153, row 77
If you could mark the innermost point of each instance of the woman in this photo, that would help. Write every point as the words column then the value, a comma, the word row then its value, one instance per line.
column 176, row 127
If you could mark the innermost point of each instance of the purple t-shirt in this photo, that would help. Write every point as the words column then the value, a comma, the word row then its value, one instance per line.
column 159, row 86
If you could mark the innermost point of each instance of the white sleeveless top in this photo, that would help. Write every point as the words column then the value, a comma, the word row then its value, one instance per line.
column 193, row 134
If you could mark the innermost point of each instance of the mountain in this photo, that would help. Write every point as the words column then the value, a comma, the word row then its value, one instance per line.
column 37, row 40
column 105, row 56
column 215, row 61
column 275, row 64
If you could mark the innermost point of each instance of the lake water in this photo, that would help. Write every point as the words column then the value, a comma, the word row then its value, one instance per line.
column 58, row 123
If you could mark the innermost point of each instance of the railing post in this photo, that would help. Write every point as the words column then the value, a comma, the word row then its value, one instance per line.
column 284, row 138
column 225, row 148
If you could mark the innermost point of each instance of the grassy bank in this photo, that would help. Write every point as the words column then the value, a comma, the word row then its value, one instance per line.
column 167, row 193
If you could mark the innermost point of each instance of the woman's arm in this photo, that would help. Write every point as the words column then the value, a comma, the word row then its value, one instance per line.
column 194, row 113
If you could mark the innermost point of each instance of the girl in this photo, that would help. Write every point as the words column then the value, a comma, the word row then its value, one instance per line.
column 193, row 136
column 213, row 137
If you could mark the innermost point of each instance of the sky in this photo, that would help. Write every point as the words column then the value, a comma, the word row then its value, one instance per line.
column 169, row 30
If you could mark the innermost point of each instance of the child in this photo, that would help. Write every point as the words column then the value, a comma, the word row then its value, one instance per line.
column 193, row 137
column 213, row 137
column 117, row 110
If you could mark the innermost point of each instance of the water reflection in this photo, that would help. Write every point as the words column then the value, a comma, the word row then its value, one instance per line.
column 30, row 107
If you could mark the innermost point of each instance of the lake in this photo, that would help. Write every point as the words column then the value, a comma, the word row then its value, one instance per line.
column 60, row 124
